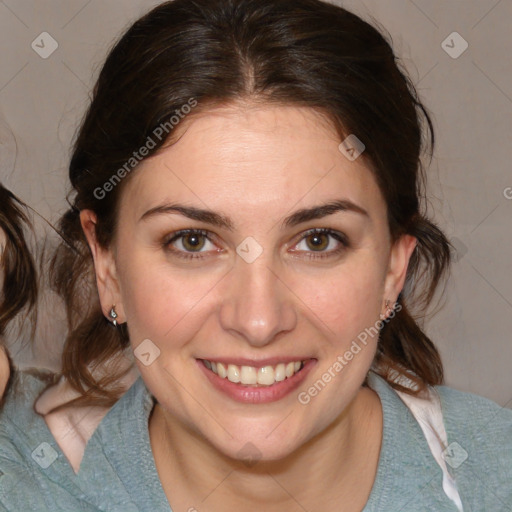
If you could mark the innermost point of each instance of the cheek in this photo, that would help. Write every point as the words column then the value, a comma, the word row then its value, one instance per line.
column 160, row 301
column 345, row 300
column 165, row 303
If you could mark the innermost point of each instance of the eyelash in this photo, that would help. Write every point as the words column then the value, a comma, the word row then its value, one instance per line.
column 340, row 237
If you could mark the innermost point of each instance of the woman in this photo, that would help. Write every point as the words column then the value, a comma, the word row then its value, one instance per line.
column 248, row 223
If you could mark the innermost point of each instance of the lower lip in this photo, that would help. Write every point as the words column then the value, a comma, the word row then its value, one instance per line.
column 258, row 394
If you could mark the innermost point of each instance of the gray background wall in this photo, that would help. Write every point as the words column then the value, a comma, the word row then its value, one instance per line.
column 470, row 97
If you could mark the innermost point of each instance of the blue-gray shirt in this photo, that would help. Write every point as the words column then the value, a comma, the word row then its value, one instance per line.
column 118, row 472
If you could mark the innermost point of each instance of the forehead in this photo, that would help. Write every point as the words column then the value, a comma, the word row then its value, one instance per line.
column 252, row 159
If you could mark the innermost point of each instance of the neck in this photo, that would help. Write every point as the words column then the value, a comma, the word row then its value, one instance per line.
column 337, row 466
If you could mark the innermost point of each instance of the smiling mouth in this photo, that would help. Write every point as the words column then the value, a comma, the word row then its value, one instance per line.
column 253, row 376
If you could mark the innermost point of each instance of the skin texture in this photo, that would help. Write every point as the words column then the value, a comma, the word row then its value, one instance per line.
column 4, row 362
column 4, row 370
column 255, row 164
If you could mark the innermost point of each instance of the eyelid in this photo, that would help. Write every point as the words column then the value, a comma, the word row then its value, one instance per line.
column 337, row 235
column 177, row 235
column 188, row 231
column 340, row 237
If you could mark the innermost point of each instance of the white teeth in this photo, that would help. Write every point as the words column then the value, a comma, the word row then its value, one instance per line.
column 233, row 373
column 250, row 376
column 221, row 371
column 280, row 374
column 266, row 376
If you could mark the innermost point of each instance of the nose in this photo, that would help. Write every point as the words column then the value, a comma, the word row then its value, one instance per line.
column 258, row 305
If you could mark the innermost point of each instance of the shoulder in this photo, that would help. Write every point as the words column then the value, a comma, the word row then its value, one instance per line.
column 18, row 421
column 18, row 406
column 35, row 473
column 468, row 414
column 480, row 426
column 17, row 411
column 479, row 451
column 24, row 387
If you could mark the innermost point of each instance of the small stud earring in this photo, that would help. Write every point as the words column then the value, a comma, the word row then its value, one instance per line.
column 389, row 310
column 113, row 315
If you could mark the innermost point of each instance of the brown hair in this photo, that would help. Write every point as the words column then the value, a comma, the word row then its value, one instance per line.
column 16, row 263
column 20, row 289
column 290, row 52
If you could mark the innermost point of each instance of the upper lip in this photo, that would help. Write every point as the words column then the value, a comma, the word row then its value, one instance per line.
column 259, row 363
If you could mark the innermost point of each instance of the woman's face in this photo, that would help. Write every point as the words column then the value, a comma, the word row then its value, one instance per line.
column 251, row 286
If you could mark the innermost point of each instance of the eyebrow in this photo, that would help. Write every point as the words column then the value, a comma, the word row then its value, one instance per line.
column 221, row 221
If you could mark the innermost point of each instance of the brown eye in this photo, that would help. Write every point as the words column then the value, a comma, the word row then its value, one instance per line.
column 193, row 241
column 324, row 242
column 189, row 244
column 317, row 241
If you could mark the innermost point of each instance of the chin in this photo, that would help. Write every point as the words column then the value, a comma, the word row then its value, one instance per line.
column 264, row 444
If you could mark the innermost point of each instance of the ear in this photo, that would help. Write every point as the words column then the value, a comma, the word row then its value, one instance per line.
column 105, row 268
column 401, row 252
